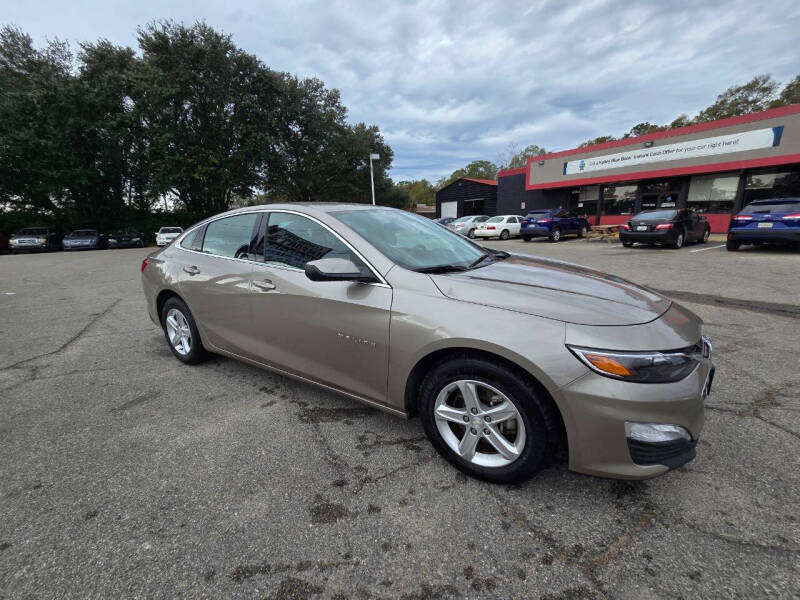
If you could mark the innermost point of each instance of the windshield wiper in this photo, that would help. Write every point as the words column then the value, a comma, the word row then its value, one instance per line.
column 494, row 255
column 441, row 269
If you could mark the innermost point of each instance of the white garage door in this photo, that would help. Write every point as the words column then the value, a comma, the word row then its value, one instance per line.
column 450, row 209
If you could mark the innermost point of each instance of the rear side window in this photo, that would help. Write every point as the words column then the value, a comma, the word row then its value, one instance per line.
column 194, row 240
column 230, row 237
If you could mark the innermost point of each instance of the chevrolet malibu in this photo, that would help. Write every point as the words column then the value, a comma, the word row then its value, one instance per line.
column 501, row 355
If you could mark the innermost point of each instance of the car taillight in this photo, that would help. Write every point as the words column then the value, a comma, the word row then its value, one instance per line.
column 490, row 227
column 663, row 226
column 545, row 221
column 797, row 216
column 625, row 226
column 742, row 218
column 144, row 264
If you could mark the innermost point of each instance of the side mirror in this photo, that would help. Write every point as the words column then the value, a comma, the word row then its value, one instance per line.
column 335, row 269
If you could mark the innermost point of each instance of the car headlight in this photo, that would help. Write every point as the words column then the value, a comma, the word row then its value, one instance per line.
column 640, row 367
column 42, row 240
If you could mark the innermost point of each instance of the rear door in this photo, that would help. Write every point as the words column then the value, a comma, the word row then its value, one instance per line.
column 214, row 279
column 335, row 332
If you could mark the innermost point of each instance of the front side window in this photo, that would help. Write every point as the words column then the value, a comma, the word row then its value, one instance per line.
column 293, row 240
column 411, row 241
column 230, row 237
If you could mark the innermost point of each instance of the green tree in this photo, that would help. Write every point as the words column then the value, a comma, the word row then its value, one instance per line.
column 206, row 110
column 420, row 191
column 643, row 129
column 754, row 96
column 319, row 156
column 598, row 140
column 515, row 159
column 790, row 94
column 477, row 169
column 680, row 121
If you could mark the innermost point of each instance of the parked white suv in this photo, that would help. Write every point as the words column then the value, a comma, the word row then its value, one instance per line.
column 165, row 235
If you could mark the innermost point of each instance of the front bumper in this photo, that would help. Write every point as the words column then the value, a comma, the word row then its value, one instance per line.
column 648, row 237
column 781, row 234
column 16, row 247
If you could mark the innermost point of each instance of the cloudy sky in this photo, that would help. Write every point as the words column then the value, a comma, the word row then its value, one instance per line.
column 449, row 82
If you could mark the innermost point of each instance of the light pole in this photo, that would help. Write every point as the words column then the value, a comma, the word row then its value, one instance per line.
column 371, row 176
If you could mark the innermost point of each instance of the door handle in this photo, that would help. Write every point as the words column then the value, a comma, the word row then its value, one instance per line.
column 264, row 284
column 192, row 270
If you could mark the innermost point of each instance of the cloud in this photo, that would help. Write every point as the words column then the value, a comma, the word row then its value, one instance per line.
column 453, row 81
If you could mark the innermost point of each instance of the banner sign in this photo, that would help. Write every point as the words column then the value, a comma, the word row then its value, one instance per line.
column 722, row 144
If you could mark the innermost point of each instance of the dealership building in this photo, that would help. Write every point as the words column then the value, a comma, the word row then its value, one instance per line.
column 715, row 168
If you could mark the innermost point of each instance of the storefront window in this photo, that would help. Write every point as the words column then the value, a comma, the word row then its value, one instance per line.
column 619, row 199
column 771, row 184
column 712, row 194
column 585, row 201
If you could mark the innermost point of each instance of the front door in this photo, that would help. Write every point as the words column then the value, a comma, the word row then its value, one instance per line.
column 335, row 332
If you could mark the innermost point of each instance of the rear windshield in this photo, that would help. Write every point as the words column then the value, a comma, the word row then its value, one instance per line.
column 656, row 214
column 775, row 206
column 536, row 215
column 33, row 231
column 170, row 230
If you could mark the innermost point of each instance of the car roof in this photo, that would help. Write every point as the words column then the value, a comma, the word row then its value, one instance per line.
column 785, row 200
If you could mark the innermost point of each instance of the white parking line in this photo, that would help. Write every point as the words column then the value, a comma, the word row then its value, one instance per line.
column 708, row 248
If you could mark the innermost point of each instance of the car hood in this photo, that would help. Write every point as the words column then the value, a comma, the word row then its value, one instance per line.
column 554, row 290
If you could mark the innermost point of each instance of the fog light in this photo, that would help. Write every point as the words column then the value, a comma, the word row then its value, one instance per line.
column 655, row 432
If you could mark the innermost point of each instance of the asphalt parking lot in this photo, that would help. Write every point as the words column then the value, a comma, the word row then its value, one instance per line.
column 124, row 473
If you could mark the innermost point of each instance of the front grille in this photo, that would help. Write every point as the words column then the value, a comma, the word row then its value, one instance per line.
column 672, row 454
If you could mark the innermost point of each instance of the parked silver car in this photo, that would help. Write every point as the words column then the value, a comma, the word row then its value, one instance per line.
column 502, row 355
column 467, row 225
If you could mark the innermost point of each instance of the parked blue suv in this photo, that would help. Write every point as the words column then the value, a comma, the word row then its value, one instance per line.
column 552, row 224
column 776, row 220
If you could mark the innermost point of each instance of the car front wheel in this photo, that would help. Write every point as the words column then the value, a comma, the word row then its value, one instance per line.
column 471, row 234
column 583, row 231
column 487, row 420
column 706, row 234
column 555, row 235
column 181, row 332
column 628, row 244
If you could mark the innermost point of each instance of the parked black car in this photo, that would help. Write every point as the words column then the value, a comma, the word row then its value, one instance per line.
column 671, row 227
column 85, row 239
column 126, row 239
column 34, row 238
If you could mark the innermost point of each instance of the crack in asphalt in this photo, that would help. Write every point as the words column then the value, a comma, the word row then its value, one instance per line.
column 74, row 338
column 771, row 308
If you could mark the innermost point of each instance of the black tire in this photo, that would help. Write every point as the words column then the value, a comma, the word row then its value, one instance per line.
column 555, row 235
column 679, row 239
column 504, row 234
column 542, row 425
column 197, row 353
column 526, row 239
column 471, row 234
column 704, row 238
column 732, row 245
column 628, row 244
column 583, row 231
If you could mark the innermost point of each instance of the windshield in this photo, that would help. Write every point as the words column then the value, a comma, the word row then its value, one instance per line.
column 656, row 214
column 33, row 231
column 411, row 241
column 82, row 232
column 170, row 230
column 789, row 205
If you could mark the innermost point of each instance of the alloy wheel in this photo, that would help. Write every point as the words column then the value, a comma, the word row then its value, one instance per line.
column 479, row 423
column 679, row 240
column 179, row 332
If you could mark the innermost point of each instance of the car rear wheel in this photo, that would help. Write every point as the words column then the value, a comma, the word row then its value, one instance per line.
column 732, row 245
column 471, row 234
column 504, row 234
column 181, row 332
column 525, row 238
column 678, row 243
column 706, row 234
column 486, row 419
column 555, row 235
column 628, row 244
column 583, row 231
